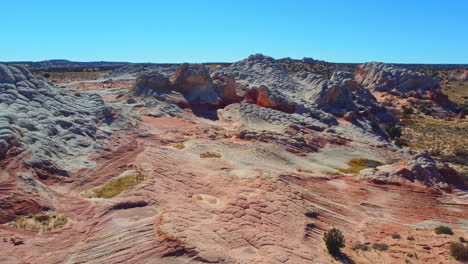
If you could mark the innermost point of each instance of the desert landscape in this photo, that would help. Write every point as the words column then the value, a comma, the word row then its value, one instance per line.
column 247, row 162
column 234, row 132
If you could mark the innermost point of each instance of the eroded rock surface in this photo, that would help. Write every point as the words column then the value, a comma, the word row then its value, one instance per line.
column 383, row 77
column 419, row 168
column 267, row 196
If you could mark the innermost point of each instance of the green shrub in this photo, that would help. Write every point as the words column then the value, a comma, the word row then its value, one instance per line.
column 334, row 240
column 410, row 238
column 464, row 108
column 380, row 246
column 412, row 255
column 394, row 132
column 443, row 230
column 407, row 111
column 459, row 251
column 360, row 246
column 396, row 236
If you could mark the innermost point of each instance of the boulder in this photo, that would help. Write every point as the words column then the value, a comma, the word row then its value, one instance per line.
column 150, row 83
column 419, row 168
column 383, row 77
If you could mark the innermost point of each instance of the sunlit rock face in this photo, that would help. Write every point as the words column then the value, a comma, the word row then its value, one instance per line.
column 382, row 77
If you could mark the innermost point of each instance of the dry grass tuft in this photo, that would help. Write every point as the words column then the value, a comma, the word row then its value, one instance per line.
column 116, row 186
column 179, row 146
column 40, row 222
column 205, row 155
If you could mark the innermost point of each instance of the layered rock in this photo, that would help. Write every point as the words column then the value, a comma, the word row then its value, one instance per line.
column 381, row 77
column 42, row 128
column 47, row 121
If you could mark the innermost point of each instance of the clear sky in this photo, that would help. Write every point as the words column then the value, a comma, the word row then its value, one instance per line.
column 410, row 31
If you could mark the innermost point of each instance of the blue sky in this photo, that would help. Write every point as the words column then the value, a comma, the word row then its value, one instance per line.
column 411, row 31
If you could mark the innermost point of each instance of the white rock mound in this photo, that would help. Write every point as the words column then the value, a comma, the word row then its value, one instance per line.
column 48, row 122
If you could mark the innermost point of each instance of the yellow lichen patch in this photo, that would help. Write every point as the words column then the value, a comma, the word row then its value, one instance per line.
column 358, row 164
column 205, row 155
column 116, row 186
column 40, row 222
column 179, row 146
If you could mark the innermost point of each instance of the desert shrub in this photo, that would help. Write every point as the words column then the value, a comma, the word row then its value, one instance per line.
column 360, row 246
column 464, row 108
column 412, row 255
column 443, row 230
column 424, row 107
column 408, row 110
column 40, row 222
column 46, row 75
column 312, row 214
column 462, row 239
column 205, row 155
column 179, row 146
column 459, row 251
column 396, row 236
column 401, row 142
column 334, row 240
column 394, row 132
column 460, row 151
column 410, row 238
column 380, row 246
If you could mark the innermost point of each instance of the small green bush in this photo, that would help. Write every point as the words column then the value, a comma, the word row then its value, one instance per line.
column 396, row 236
column 410, row 238
column 380, row 246
column 334, row 240
column 459, row 251
column 394, row 132
column 360, row 246
column 412, row 255
column 443, row 230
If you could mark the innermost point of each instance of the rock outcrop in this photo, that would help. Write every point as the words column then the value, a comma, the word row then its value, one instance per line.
column 381, row 77
column 458, row 75
column 419, row 168
column 39, row 117
column 193, row 81
column 42, row 128
column 267, row 83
